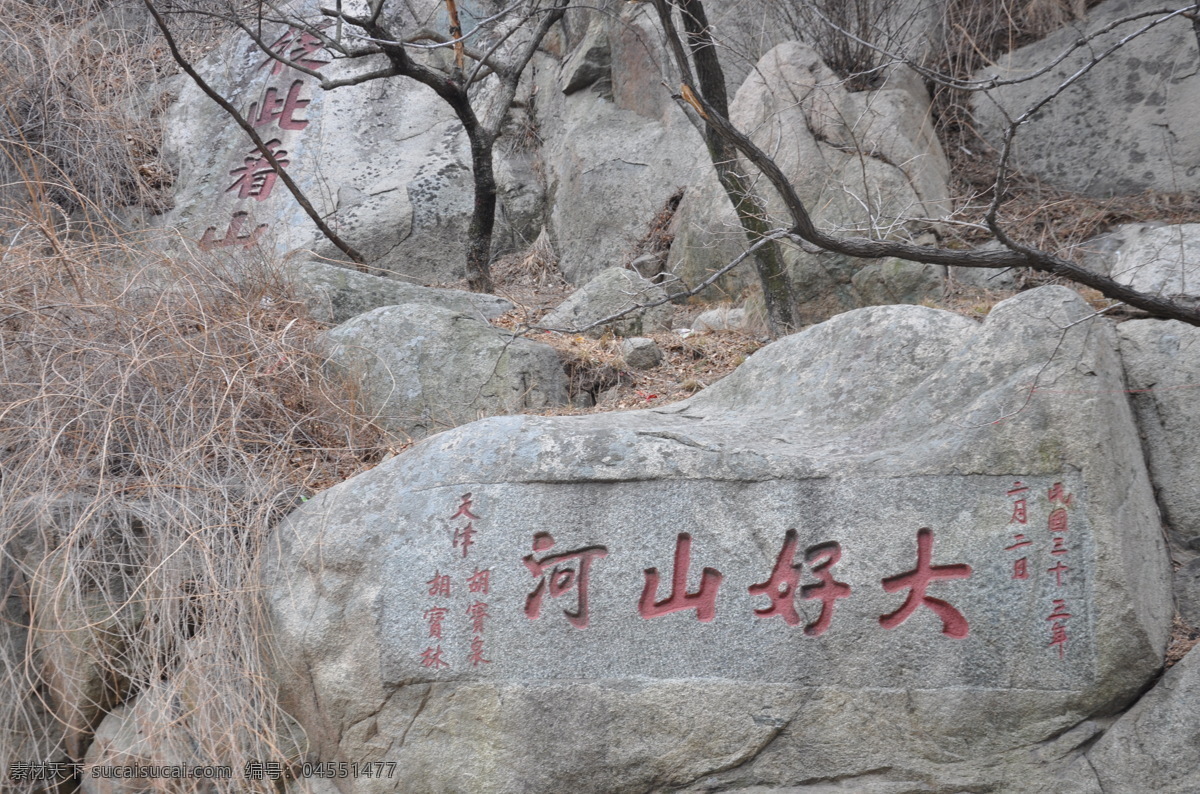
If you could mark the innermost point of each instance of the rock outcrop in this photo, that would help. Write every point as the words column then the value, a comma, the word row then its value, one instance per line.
column 335, row 294
column 898, row 549
column 385, row 162
column 614, row 291
column 864, row 163
column 1162, row 366
column 423, row 368
column 1128, row 125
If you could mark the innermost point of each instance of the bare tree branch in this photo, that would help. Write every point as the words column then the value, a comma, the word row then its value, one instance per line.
column 804, row 227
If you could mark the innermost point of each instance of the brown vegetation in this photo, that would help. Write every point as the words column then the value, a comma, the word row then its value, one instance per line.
column 158, row 417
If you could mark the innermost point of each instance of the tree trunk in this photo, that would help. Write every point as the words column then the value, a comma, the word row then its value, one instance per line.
column 768, row 259
column 483, row 218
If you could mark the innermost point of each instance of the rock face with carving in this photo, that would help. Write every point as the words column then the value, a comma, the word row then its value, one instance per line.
column 385, row 162
column 897, row 550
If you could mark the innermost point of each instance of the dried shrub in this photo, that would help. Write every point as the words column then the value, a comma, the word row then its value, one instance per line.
column 846, row 33
column 157, row 418
column 79, row 92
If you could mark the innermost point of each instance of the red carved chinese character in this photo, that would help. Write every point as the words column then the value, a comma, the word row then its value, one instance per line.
column 257, row 177
column 1020, row 541
column 781, row 587
column 478, row 581
column 464, row 509
column 462, row 537
column 1019, row 514
column 476, row 657
column 704, row 600
column 477, row 612
column 432, row 657
column 1060, row 545
column 1058, row 520
column 295, row 46
column 1059, row 494
column 439, row 585
column 917, row 580
column 1058, row 628
column 233, row 235
column 1058, row 570
column 1021, row 568
column 281, row 110
column 821, row 558
column 1017, row 487
column 435, row 616
column 561, row 579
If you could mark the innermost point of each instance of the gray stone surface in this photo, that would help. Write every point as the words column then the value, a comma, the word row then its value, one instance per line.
column 861, row 432
column 335, row 294
column 608, row 173
column 590, row 60
column 1155, row 746
column 864, row 163
column 897, row 281
column 641, row 353
column 1156, row 259
column 152, row 729
column 1162, row 367
column 1187, row 592
column 386, row 163
column 722, row 319
column 423, row 368
column 1130, row 124
column 612, row 291
column 987, row 278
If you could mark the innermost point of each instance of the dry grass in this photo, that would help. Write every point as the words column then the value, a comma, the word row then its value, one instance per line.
column 600, row 380
column 1183, row 639
column 157, row 418
column 76, row 80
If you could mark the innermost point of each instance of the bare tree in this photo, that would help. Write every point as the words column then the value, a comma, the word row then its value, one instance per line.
column 703, row 98
column 479, row 84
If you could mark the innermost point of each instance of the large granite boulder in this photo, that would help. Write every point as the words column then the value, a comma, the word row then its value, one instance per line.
column 335, row 294
column 865, row 164
column 1153, row 258
column 1155, row 746
column 1162, row 365
column 614, row 291
column 386, row 162
column 608, row 173
column 423, row 368
column 898, row 551
column 1130, row 123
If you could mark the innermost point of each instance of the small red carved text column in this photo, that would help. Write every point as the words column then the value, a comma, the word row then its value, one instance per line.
column 917, row 580
column 478, row 613
column 256, row 177
column 283, row 111
column 463, row 535
column 567, row 570
column 704, row 600
column 1057, row 524
column 296, row 46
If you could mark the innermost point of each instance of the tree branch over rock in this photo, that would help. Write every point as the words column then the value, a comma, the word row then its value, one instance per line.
column 696, row 95
column 480, row 104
